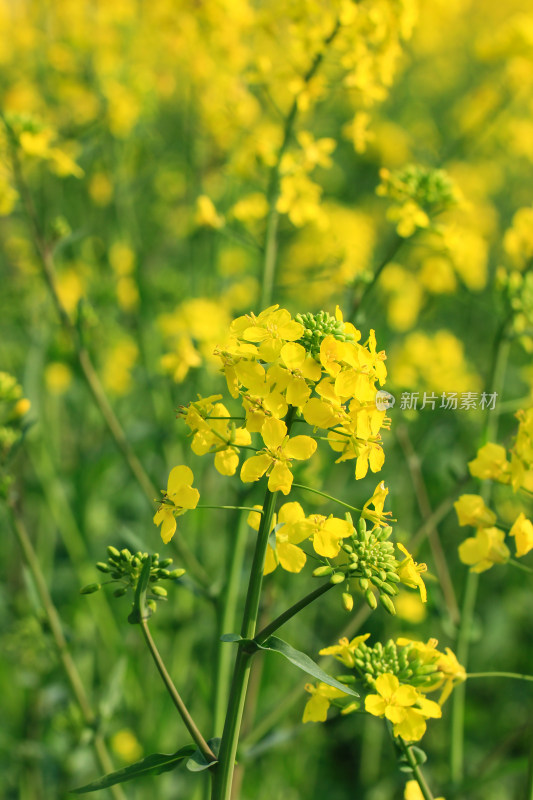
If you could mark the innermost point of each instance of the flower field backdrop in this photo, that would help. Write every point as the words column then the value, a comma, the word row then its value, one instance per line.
column 266, row 325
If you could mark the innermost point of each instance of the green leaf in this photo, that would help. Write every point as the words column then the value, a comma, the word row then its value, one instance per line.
column 303, row 662
column 140, row 610
column 197, row 762
column 151, row 765
column 296, row 657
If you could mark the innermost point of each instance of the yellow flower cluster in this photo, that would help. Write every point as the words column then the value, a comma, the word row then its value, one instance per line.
column 418, row 668
column 488, row 546
column 332, row 385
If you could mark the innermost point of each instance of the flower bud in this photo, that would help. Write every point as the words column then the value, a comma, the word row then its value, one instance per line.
column 337, row 577
column 90, row 588
column 370, row 598
column 176, row 573
column 387, row 604
column 321, row 572
column 159, row 591
column 103, row 567
column 347, row 601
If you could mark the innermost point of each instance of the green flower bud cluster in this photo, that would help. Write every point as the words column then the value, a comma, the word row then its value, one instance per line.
column 404, row 661
column 431, row 189
column 125, row 567
column 371, row 561
column 317, row 327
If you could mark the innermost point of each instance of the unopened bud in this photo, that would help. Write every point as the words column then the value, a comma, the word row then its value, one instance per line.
column 347, row 601
column 321, row 572
column 176, row 573
column 370, row 598
column 337, row 577
column 103, row 567
column 387, row 604
column 90, row 588
column 159, row 591
column 120, row 592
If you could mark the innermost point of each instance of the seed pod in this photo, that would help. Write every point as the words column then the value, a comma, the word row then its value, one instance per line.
column 321, row 572
column 103, row 567
column 90, row 588
column 370, row 598
column 347, row 601
column 387, row 604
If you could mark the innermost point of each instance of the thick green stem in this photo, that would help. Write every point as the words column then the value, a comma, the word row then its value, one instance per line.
column 223, row 775
column 290, row 612
column 494, row 384
column 71, row 671
column 176, row 698
column 226, row 623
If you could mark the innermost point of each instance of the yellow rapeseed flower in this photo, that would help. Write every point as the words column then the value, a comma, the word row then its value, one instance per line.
column 486, row 548
column 277, row 455
column 402, row 705
column 178, row 498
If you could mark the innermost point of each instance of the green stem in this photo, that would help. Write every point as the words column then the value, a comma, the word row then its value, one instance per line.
column 327, row 496
column 269, row 629
column 494, row 384
column 271, row 236
column 71, row 671
column 228, row 610
column 223, row 776
column 235, row 508
column 516, row 675
column 174, row 694
column 518, row 565
column 417, row 772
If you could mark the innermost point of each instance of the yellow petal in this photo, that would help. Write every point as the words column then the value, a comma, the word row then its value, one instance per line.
column 179, row 476
column 387, row 684
column 375, row 705
column 316, row 709
column 227, row 461
column 273, row 432
column 291, row 557
column 280, row 478
column 300, row 447
column 255, row 467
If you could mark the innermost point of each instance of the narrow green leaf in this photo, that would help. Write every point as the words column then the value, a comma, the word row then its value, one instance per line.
column 303, row 662
column 197, row 762
column 140, row 610
column 151, row 765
